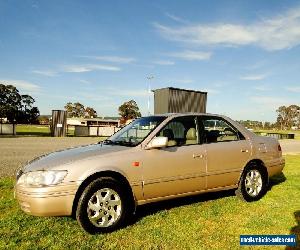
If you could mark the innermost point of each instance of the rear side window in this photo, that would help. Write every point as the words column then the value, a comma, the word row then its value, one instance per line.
column 217, row 129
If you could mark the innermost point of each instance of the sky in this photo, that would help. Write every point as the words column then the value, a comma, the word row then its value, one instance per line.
column 245, row 54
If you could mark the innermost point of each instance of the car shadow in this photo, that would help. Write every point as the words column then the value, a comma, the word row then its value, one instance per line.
column 276, row 180
column 153, row 208
column 296, row 230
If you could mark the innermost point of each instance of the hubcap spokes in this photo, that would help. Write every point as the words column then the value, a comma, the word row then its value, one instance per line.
column 104, row 207
column 253, row 183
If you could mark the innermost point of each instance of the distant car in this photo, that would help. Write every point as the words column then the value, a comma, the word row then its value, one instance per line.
column 153, row 158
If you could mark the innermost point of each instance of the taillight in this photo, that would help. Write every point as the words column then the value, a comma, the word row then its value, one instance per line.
column 279, row 148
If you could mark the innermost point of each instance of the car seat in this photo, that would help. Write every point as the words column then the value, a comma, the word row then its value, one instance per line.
column 191, row 136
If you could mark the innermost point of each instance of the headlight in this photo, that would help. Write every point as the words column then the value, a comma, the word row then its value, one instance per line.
column 42, row 178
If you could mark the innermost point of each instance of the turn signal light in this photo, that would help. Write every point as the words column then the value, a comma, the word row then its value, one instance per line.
column 136, row 164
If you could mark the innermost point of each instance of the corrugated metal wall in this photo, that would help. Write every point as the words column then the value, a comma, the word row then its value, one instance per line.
column 174, row 100
column 59, row 123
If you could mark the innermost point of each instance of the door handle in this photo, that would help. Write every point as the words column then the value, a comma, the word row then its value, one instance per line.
column 197, row 156
column 244, row 150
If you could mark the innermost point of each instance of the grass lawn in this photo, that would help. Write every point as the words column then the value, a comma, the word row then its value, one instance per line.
column 209, row 221
column 38, row 130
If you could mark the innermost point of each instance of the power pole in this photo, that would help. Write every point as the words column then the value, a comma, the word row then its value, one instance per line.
column 149, row 92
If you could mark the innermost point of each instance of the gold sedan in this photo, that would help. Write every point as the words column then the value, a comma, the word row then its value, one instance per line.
column 153, row 158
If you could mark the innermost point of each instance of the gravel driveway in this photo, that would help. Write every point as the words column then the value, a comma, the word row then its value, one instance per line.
column 16, row 151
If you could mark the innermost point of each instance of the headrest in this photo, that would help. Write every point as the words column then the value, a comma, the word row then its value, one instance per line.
column 191, row 134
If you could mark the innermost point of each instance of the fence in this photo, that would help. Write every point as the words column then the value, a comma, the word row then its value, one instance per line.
column 7, row 129
column 94, row 130
column 278, row 136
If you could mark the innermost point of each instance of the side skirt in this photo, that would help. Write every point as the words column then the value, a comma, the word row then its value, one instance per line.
column 142, row 202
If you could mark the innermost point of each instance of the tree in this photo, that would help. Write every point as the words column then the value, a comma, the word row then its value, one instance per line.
column 15, row 107
column 10, row 102
column 90, row 112
column 129, row 110
column 77, row 109
column 69, row 109
column 288, row 116
column 43, row 120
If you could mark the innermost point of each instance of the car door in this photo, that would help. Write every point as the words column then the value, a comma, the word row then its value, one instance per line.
column 178, row 168
column 227, row 151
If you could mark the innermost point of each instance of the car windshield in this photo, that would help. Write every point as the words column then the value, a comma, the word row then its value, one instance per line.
column 135, row 132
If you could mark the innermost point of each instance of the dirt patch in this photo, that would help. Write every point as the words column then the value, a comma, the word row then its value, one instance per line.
column 16, row 151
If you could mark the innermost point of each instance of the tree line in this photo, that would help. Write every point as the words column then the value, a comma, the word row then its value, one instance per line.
column 19, row 108
column 288, row 117
column 127, row 111
column 15, row 107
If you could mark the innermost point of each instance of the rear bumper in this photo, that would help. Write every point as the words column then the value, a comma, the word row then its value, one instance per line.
column 47, row 201
column 275, row 167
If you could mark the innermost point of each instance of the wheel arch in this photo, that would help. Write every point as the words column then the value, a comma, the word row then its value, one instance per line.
column 107, row 173
column 259, row 163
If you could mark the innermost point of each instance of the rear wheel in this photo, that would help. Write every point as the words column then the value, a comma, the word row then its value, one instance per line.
column 253, row 183
column 103, row 206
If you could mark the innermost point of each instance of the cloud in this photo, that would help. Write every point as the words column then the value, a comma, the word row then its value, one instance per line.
column 191, row 55
column 175, row 18
column 164, row 62
column 293, row 89
column 253, row 77
column 210, row 91
column 270, row 101
column 275, row 33
column 88, row 68
column 84, row 81
column 113, row 59
column 182, row 81
column 22, row 85
column 261, row 88
column 129, row 93
column 45, row 72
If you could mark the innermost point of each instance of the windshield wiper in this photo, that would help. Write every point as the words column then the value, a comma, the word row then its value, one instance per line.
column 107, row 141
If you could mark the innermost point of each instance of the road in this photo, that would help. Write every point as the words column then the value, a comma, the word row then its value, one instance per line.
column 14, row 152
column 290, row 146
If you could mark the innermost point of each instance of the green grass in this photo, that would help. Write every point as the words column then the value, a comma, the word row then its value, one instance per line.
column 210, row 221
column 38, row 130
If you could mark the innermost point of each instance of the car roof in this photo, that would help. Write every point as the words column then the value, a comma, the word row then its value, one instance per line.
column 186, row 113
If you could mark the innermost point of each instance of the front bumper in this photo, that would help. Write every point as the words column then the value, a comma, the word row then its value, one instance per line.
column 47, row 201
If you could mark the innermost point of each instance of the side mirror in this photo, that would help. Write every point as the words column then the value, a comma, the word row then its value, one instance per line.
column 158, row 142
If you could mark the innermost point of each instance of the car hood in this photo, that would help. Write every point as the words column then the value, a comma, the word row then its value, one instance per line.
column 71, row 155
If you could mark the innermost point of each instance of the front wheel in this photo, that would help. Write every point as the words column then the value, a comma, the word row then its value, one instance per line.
column 102, row 206
column 253, row 183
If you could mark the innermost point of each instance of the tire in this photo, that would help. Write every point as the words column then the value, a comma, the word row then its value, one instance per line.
column 253, row 183
column 103, row 206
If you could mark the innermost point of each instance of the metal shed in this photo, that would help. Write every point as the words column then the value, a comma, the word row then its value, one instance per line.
column 175, row 100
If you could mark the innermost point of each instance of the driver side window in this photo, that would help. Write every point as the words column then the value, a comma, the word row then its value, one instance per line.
column 180, row 131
